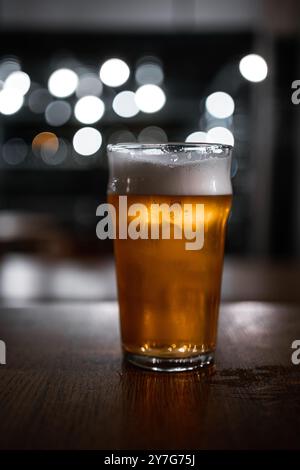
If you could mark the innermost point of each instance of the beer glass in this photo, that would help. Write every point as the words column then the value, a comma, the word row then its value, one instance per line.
column 169, row 287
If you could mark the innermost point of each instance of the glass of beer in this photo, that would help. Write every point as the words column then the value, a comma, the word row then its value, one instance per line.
column 171, row 203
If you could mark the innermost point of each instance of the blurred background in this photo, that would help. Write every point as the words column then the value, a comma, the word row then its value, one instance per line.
column 75, row 76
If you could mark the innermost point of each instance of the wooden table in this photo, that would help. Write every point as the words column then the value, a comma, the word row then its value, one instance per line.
column 65, row 386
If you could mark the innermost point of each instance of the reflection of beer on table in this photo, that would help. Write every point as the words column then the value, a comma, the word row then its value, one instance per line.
column 168, row 295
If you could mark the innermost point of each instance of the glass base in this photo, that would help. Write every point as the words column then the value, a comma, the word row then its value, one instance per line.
column 167, row 364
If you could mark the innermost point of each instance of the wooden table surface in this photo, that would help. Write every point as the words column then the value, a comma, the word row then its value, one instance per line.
column 65, row 386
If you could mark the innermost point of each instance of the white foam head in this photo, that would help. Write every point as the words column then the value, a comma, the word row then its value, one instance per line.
column 170, row 169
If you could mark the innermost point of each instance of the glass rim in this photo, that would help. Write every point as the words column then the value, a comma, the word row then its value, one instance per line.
column 153, row 146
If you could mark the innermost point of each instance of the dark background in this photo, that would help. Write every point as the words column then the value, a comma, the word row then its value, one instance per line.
column 48, row 211
column 65, row 384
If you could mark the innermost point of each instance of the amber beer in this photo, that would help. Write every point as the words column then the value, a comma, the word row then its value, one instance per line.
column 168, row 295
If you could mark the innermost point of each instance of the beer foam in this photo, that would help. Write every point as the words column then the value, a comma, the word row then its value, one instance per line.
column 150, row 171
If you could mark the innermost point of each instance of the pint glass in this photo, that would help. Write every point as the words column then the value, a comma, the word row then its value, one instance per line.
column 171, row 203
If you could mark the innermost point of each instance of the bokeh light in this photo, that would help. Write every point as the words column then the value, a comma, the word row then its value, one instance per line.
column 87, row 141
column 150, row 98
column 114, row 72
column 52, row 156
column 89, row 84
column 153, row 135
column 254, row 68
column 89, row 109
column 8, row 66
column 19, row 81
column 220, row 135
column 149, row 72
column 197, row 136
column 14, row 151
column 11, row 101
column 220, row 105
column 121, row 136
column 58, row 113
column 62, row 83
column 38, row 100
column 124, row 104
column 45, row 142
